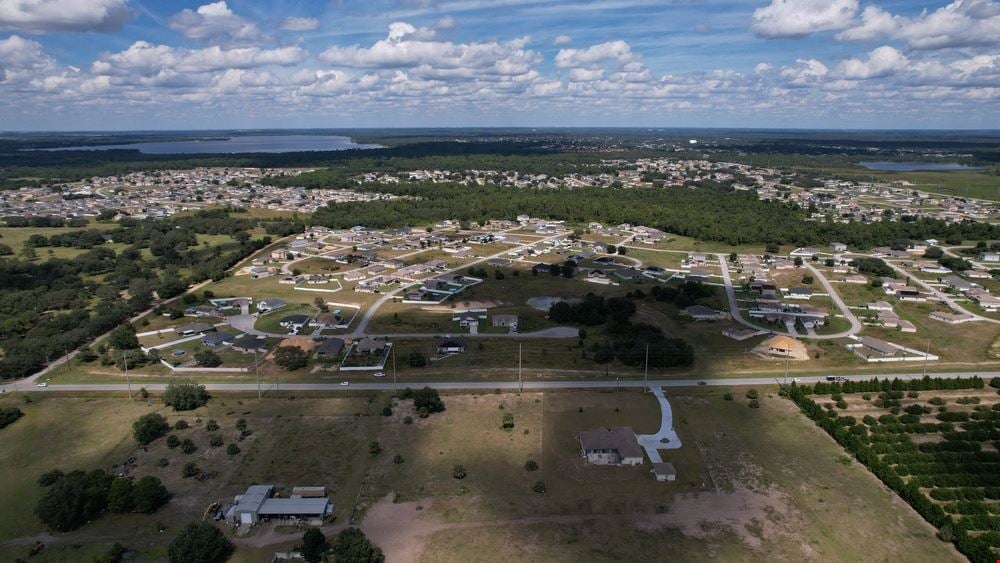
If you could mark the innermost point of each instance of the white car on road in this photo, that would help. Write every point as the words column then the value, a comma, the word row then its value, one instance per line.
column 345, row 383
column 43, row 384
column 379, row 374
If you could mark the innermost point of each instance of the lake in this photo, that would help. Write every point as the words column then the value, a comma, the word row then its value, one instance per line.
column 239, row 144
column 915, row 166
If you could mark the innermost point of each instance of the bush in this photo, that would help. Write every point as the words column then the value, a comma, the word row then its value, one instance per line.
column 387, row 411
column 727, row 396
column 215, row 441
column 207, row 358
column 9, row 415
column 531, row 465
column 149, row 494
column 232, row 449
column 539, row 487
column 458, row 472
column 163, row 462
column 752, row 394
column 211, row 425
column 408, row 420
column 190, row 469
column 352, row 546
column 291, row 357
column 50, row 477
column 185, row 396
column 374, row 448
column 427, row 400
column 754, row 404
column 173, row 441
column 314, row 545
column 181, row 425
column 508, row 421
column 149, row 427
column 398, row 459
column 199, row 543
column 188, row 447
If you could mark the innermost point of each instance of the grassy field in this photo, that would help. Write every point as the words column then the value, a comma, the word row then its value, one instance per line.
column 753, row 485
column 294, row 442
column 963, row 183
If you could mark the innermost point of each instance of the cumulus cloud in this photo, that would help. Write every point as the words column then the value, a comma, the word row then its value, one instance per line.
column 213, row 21
column 805, row 72
column 881, row 62
column 963, row 23
column 446, row 22
column 148, row 59
column 42, row 16
column 300, row 24
column 562, row 40
column 409, row 47
column 618, row 52
column 799, row 18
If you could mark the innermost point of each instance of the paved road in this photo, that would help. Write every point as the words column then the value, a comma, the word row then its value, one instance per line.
column 554, row 332
column 844, row 309
column 490, row 385
column 942, row 296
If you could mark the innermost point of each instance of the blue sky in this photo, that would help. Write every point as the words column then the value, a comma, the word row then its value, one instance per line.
column 144, row 64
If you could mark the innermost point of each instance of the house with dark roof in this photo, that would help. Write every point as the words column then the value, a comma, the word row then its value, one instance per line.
column 330, row 348
column 611, row 446
column 193, row 328
column 450, row 346
column 216, row 339
column 249, row 344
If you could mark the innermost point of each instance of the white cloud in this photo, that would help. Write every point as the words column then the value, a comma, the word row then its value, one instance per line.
column 446, row 22
column 585, row 75
column 881, row 62
column 963, row 23
column 300, row 24
column 763, row 68
column 408, row 47
column 213, row 21
column 805, row 72
column 798, row 18
column 612, row 51
column 562, row 40
column 42, row 16
column 147, row 59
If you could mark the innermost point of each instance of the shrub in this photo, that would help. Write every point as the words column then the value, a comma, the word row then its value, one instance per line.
column 458, row 472
column 291, row 357
column 374, row 448
column 539, row 487
column 508, row 421
column 215, row 441
column 352, row 546
column 428, row 400
column 841, row 404
column 173, row 441
column 398, row 459
column 49, row 477
column 531, row 465
column 149, row 427
column 232, row 449
column 199, row 542
column 149, row 494
column 211, row 425
column 387, row 411
column 912, row 394
column 752, row 394
column 188, row 447
column 163, row 462
column 9, row 415
column 207, row 358
column 727, row 396
column 185, row 396
column 181, row 425
column 190, row 469
column 937, row 401
column 754, row 404
column 866, row 396
column 408, row 420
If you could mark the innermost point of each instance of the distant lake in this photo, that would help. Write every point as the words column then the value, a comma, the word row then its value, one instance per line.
column 917, row 166
column 240, row 144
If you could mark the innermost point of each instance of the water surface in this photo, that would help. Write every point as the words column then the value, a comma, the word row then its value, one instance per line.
column 239, row 144
column 915, row 166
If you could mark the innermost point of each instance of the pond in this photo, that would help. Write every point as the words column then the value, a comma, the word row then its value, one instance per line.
column 236, row 144
column 915, row 166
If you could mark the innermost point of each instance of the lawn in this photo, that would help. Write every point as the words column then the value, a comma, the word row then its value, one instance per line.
column 760, row 484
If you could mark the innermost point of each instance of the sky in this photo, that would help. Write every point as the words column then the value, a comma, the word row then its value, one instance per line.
column 244, row 64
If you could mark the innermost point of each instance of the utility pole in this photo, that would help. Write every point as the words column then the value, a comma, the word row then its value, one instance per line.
column 128, row 382
column 256, row 369
column 394, row 368
column 645, row 373
column 520, row 385
column 786, row 371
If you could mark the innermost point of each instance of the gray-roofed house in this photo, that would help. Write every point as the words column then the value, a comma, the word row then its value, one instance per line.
column 250, row 344
column 664, row 471
column 265, row 305
column 216, row 339
column 193, row 328
column 330, row 348
column 703, row 313
column 611, row 446
column 370, row 346
column 450, row 346
column 509, row 321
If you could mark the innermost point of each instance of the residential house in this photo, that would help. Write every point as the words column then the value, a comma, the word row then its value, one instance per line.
column 370, row 346
column 267, row 305
column 509, row 321
column 330, row 348
column 294, row 323
column 838, row 247
column 216, row 339
column 611, row 446
column 250, row 343
column 450, row 346
column 193, row 328
column 703, row 313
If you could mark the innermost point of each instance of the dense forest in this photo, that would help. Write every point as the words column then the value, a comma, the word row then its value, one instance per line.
column 708, row 213
column 48, row 308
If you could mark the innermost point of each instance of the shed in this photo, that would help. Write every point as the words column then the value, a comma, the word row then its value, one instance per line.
column 664, row 471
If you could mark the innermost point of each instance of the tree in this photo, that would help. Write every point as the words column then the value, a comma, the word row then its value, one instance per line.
column 417, row 360
column 123, row 338
column 539, row 487
column 291, row 357
column 351, row 546
column 120, row 496
column 185, row 396
column 149, row 427
column 9, row 415
column 149, row 494
column 428, row 399
column 199, row 542
column 459, row 472
column 752, row 394
column 73, row 500
column 314, row 545
column 374, row 448
column 190, row 469
column 232, row 449
column 531, row 465
column 207, row 358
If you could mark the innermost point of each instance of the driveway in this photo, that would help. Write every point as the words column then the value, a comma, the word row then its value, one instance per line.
column 666, row 438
